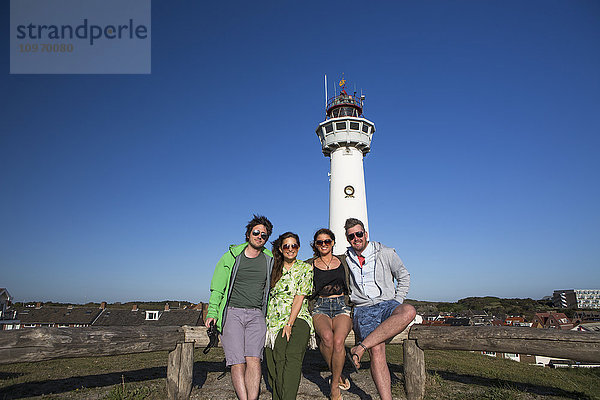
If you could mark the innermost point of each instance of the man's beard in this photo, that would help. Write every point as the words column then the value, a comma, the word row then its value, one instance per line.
column 254, row 246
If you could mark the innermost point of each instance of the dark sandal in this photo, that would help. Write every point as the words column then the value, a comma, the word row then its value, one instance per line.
column 350, row 357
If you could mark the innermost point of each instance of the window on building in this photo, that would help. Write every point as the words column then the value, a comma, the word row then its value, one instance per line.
column 151, row 315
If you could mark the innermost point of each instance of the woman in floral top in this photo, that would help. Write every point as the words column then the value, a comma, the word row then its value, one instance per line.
column 289, row 324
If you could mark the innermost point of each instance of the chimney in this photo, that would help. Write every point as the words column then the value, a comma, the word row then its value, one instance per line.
column 134, row 308
column 38, row 305
column 204, row 310
column 166, row 306
column 103, row 305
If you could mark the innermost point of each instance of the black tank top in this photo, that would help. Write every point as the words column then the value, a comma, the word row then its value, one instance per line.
column 329, row 282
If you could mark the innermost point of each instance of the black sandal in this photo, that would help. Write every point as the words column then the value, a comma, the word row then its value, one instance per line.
column 350, row 357
column 357, row 358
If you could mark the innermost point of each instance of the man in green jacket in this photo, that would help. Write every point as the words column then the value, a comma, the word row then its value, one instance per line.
column 238, row 303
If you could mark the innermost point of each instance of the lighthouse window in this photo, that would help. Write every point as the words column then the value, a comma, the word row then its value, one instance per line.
column 340, row 125
column 328, row 128
column 354, row 126
column 365, row 128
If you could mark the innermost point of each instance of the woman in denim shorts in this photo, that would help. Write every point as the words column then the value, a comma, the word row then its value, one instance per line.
column 330, row 305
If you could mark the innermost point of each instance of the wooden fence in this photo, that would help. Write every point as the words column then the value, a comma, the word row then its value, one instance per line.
column 37, row 344
column 578, row 346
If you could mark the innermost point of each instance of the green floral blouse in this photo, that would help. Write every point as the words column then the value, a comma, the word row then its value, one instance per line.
column 297, row 281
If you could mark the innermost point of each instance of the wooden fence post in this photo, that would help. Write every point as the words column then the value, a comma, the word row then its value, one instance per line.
column 414, row 370
column 179, row 372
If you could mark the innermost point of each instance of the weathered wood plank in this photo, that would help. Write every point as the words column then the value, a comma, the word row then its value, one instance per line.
column 414, row 370
column 197, row 334
column 401, row 337
column 173, row 364
column 425, row 331
column 180, row 371
column 579, row 346
column 37, row 344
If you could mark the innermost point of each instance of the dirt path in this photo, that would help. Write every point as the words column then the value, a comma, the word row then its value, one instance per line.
column 314, row 383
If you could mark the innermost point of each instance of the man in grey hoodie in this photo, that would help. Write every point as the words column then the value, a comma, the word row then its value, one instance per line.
column 379, row 312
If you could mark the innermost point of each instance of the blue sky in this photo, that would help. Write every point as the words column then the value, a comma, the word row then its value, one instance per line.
column 483, row 172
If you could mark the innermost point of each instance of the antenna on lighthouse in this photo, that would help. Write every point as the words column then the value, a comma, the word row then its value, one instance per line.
column 325, row 91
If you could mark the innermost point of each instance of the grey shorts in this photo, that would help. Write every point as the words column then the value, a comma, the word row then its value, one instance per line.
column 243, row 334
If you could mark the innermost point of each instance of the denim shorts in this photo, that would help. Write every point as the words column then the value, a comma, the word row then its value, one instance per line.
column 332, row 306
column 367, row 318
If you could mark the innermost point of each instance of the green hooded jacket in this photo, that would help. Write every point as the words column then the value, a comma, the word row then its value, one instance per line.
column 223, row 278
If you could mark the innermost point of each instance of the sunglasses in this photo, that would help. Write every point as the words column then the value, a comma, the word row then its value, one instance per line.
column 358, row 234
column 322, row 242
column 290, row 246
column 263, row 235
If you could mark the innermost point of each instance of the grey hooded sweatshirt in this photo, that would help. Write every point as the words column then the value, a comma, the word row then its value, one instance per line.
column 388, row 267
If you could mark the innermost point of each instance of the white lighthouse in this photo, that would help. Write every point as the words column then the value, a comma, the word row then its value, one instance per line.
column 346, row 138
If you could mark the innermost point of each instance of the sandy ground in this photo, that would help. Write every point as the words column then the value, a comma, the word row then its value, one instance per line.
column 314, row 383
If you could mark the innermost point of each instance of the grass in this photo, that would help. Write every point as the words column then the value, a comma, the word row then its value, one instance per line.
column 450, row 375
column 466, row 375
column 122, row 393
column 95, row 378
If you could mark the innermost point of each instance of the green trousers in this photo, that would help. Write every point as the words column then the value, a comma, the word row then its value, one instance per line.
column 284, row 361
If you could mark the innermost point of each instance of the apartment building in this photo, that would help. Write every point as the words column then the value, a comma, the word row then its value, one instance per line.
column 577, row 298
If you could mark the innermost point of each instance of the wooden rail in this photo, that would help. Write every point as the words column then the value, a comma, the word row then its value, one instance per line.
column 578, row 346
column 197, row 334
column 37, row 344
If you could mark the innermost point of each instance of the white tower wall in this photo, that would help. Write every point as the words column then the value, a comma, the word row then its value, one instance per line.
column 346, row 172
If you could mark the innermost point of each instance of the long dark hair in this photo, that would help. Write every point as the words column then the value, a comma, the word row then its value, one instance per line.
column 278, row 256
column 317, row 233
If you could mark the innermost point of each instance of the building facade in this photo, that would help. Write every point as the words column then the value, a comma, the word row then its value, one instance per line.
column 8, row 316
column 577, row 298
